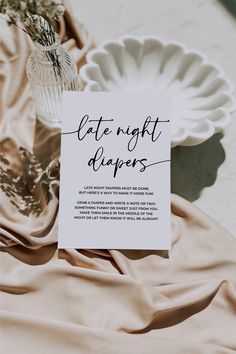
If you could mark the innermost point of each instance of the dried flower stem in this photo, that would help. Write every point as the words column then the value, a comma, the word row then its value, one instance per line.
column 36, row 18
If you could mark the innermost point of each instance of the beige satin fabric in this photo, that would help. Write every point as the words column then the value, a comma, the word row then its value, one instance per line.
column 105, row 302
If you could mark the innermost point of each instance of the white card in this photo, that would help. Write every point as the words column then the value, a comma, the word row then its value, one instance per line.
column 115, row 171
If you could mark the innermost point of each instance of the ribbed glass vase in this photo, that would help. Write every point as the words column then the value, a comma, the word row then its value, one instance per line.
column 51, row 71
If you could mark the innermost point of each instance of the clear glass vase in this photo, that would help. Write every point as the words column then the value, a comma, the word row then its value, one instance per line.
column 51, row 71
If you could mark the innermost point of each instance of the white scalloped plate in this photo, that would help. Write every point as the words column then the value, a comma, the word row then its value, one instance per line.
column 201, row 95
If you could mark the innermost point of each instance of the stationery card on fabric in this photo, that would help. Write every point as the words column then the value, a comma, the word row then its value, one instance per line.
column 115, row 171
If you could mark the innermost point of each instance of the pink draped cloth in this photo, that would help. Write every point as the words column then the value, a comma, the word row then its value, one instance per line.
column 107, row 301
